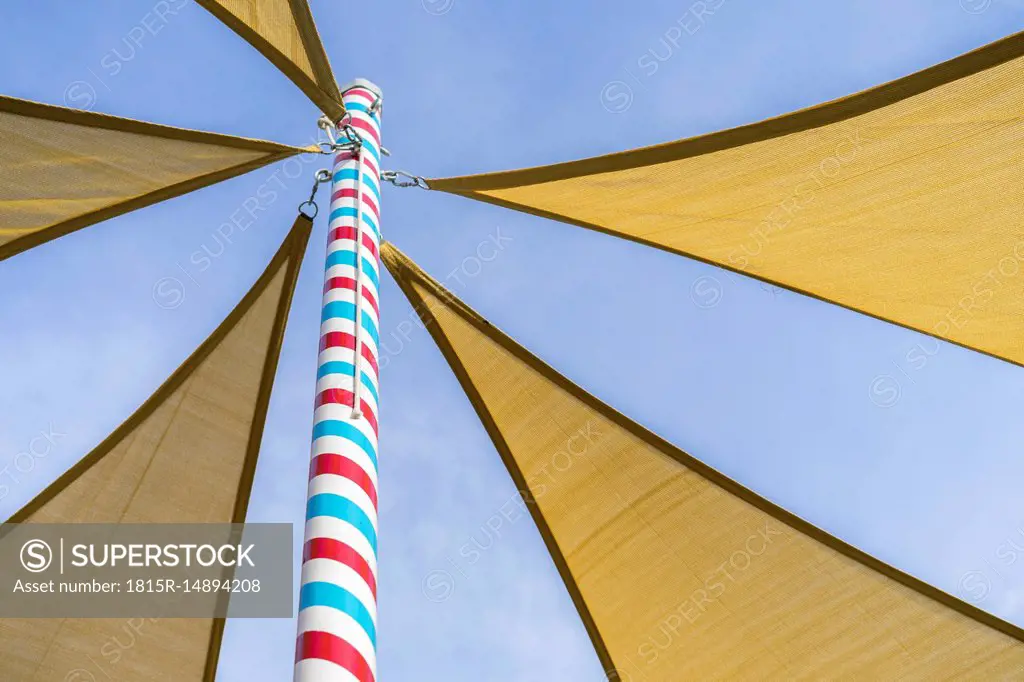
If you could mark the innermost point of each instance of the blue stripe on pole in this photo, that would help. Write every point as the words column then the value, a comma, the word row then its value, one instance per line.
column 347, row 311
column 348, row 431
column 359, row 106
column 345, row 257
column 337, row 604
column 346, row 369
column 350, row 212
column 336, row 597
column 338, row 507
column 351, row 174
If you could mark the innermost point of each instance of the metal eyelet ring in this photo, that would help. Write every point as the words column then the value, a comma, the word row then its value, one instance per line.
column 316, row 209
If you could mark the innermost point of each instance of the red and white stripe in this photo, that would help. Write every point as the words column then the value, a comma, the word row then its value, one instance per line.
column 332, row 644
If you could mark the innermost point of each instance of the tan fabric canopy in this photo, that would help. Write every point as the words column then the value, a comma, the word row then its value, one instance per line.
column 902, row 202
column 678, row 572
column 284, row 32
column 63, row 169
column 188, row 455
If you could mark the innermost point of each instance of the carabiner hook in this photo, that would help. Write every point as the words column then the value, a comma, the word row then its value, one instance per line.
column 413, row 180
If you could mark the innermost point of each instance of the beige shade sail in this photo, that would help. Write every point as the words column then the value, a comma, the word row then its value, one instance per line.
column 188, row 455
column 63, row 169
column 678, row 572
column 901, row 202
column 285, row 33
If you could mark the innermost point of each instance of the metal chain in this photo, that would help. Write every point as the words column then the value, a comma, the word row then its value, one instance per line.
column 323, row 175
column 353, row 139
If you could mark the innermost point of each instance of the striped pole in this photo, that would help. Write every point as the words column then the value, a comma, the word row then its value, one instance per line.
column 337, row 629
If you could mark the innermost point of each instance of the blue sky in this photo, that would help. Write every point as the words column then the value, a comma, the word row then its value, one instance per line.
column 815, row 407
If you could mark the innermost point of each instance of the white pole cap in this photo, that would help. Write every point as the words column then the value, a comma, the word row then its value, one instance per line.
column 363, row 83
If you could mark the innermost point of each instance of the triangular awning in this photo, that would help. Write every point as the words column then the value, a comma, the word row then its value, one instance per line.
column 678, row 572
column 901, row 202
column 188, row 455
column 284, row 32
column 63, row 169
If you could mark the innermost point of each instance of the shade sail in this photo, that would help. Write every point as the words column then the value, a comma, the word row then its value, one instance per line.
column 284, row 32
column 63, row 169
column 902, row 202
column 678, row 572
column 188, row 455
